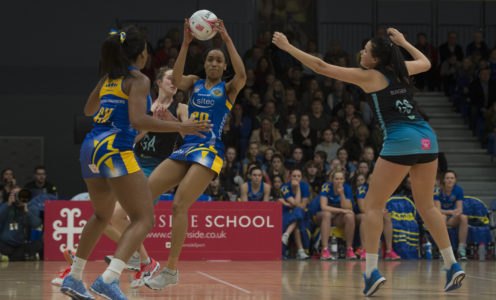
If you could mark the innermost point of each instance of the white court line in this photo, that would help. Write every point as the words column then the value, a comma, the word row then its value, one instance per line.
column 481, row 278
column 224, row 282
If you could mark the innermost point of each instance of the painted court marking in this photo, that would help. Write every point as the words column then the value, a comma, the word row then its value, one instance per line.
column 481, row 278
column 224, row 282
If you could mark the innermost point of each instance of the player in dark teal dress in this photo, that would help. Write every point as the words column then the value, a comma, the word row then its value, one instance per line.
column 199, row 160
column 410, row 145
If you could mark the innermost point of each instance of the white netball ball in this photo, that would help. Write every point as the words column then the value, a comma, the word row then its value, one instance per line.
column 201, row 24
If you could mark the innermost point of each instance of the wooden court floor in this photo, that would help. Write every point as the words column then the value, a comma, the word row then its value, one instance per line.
column 310, row 279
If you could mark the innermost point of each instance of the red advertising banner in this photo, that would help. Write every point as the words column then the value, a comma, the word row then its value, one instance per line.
column 217, row 231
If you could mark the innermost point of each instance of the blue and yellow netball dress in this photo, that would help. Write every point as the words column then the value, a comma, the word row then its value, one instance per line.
column 258, row 196
column 405, row 131
column 206, row 104
column 107, row 151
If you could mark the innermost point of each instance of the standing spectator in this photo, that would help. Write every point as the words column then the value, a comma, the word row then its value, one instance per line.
column 450, row 47
column 449, row 68
column 479, row 45
column 304, row 136
column 265, row 136
column 16, row 222
column 328, row 145
column 426, row 79
column 216, row 192
column 40, row 185
column 449, row 200
column 255, row 189
column 8, row 184
column 482, row 94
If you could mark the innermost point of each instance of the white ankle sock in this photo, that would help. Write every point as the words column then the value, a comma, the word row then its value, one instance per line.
column 448, row 257
column 370, row 263
column 114, row 270
column 77, row 268
column 146, row 261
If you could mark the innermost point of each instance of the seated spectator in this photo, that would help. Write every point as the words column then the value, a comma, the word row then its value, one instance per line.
column 230, row 135
column 253, row 155
column 291, row 123
column 16, row 222
column 368, row 155
column 253, row 107
column 242, row 126
column 334, row 207
column 265, row 136
column 275, row 92
column 295, row 200
column 291, row 105
column 387, row 223
column 277, row 168
column 478, row 44
column 337, row 131
column 426, row 79
column 313, row 178
column 348, row 166
column 357, row 143
column 296, row 161
column 337, row 97
column 216, row 192
column 283, row 147
column 463, row 78
column 312, row 87
column 328, row 145
column 8, row 184
column 482, row 94
column 250, row 80
column 318, row 119
column 230, row 173
column 253, row 56
column 263, row 69
column 269, row 113
column 320, row 159
column 40, row 185
column 267, row 158
column 275, row 190
column 449, row 200
column 304, row 136
column 255, row 189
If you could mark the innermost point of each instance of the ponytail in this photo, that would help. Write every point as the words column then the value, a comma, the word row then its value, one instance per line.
column 119, row 50
column 390, row 59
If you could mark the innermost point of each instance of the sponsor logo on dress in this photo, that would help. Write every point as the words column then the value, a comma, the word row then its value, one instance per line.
column 69, row 230
column 426, row 144
column 203, row 102
column 217, row 92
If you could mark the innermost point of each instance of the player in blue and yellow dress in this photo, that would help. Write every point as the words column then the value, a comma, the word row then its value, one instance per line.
column 449, row 200
column 255, row 182
column 410, row 145
column 118, row 105
column 199, row 160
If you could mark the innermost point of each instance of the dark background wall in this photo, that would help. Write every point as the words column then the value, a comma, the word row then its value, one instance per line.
column 49, row 56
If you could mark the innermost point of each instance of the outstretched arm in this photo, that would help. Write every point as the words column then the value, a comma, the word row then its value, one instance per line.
column 356, row 76
column 420, row 63
column 238, row 82
column 182, row 82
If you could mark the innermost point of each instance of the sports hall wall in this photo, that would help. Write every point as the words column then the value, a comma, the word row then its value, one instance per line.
column 50, row 49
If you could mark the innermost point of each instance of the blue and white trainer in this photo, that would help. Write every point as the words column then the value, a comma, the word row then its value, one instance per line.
column 111, row 291
column 373, row 283
column 75, row 289
column 454, row 277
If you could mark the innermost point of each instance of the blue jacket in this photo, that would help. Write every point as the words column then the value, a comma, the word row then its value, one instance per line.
column 16, row 225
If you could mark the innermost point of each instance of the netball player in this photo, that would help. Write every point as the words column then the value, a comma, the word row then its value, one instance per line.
column 410, row 145
column 255, row 189
column 118, row 105
column 199, row 160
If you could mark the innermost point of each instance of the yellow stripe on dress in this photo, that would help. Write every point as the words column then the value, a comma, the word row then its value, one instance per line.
column 113, row 87
column 228, row 104
column 217, row 164
column 130, row 162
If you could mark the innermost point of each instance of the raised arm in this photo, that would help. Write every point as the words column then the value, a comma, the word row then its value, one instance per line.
column 420, row 62
column 93, row 102
column 181, row 81
column 238, row 82
column 356, row 76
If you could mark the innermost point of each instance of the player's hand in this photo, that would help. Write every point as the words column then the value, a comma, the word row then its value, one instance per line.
column 280, row 40
column 195, row 127
column 396, row 37
column 188, row 36
column 340, row 189
column 159, row 111
column 295, row 184
column 221, row 29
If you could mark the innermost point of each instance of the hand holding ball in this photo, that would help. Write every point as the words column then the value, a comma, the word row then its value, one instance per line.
column 202, row 23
